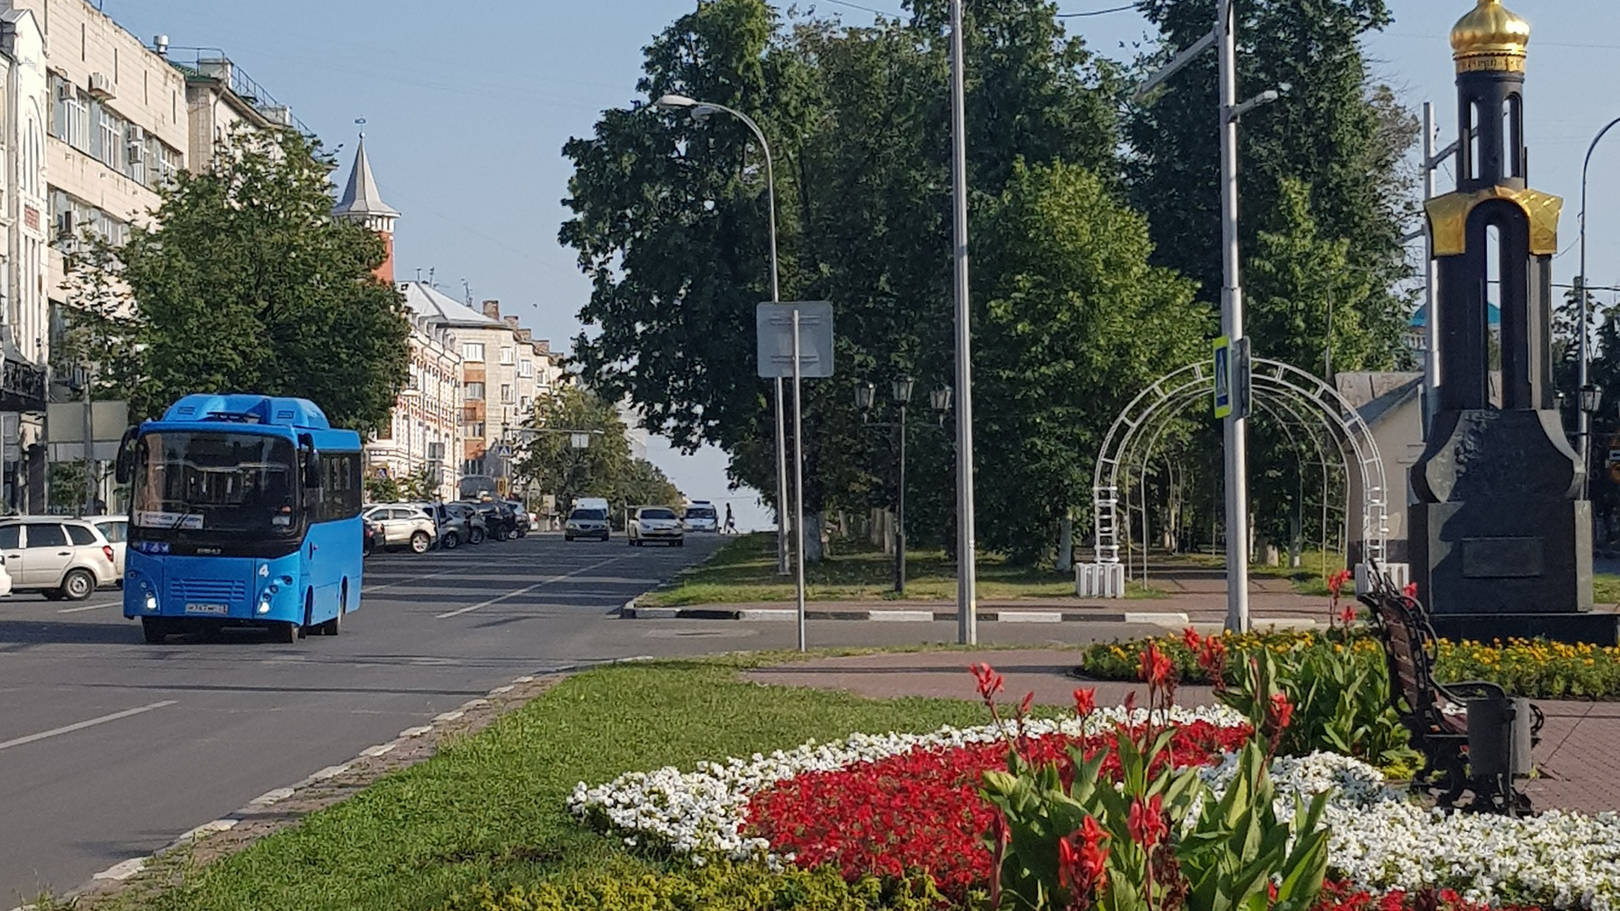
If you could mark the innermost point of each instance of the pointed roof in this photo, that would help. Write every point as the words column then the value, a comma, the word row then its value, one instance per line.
column 361, row 196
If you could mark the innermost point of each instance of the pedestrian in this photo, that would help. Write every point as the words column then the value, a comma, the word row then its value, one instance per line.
column 731, row 523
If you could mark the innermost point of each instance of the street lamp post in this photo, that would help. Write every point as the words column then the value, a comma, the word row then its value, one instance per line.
column 967, row 596
column 700, row 111
column 1581, row 284
column 900, row 390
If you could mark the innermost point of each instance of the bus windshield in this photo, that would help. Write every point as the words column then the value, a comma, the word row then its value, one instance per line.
column 215, row 481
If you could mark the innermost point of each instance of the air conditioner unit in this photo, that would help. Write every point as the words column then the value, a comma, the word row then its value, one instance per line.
column 64, row 91
column 101, row 87
column 137, row 152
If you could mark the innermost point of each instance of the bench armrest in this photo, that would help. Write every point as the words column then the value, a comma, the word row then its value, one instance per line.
column 1471, row 689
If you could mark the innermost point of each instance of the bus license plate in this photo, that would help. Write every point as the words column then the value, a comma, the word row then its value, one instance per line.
column 217, row 609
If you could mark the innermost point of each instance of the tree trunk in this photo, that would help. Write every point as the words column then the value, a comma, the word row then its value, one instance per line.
column 1065, row 552
column 814, row 548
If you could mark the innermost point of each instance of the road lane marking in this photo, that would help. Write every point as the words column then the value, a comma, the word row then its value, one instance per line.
column 74, row 610
column 368, row 589
column 81, row 725
column 525, row 590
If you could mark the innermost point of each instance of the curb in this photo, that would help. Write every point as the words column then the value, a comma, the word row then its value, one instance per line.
column 1173, row 619
column 127, row 869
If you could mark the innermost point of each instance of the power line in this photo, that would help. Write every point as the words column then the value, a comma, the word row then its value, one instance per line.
column 864, row 9
column 1098, row 12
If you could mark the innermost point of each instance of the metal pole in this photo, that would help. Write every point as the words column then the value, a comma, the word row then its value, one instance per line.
column 1431, row 290
column 781, row 484
column 89, row 445
column 1585, row 419
column 900, row 515
column 1237, row 494
column 967, row 611
column 798, row 475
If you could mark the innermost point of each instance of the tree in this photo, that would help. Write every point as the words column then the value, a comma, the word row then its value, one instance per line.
column 551, row 461
column 244, row 282
column 1075, row 324
column 644, row 484
column 1334, row 136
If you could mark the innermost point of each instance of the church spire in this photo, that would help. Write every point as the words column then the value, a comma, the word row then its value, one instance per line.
column 362, row 203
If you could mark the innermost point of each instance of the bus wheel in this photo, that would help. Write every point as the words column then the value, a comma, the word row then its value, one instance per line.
column 420, row 542
column 155, row 629
column 78, row 585
column 335, row 625
column 285, row 633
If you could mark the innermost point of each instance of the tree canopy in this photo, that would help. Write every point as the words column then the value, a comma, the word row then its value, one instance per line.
column 244, row 283
column 553, row 459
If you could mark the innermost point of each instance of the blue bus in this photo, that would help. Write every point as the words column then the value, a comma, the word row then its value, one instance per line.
column 244, row 510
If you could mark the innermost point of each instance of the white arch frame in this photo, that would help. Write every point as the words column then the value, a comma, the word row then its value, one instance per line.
column 1177, row 389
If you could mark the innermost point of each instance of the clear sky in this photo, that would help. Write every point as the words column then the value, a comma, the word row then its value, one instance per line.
column 467, row 107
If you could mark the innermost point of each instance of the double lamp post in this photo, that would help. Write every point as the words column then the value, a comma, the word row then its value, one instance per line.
column 900, row 391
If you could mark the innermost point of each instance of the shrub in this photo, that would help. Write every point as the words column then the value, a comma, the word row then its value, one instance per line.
column 713, row 887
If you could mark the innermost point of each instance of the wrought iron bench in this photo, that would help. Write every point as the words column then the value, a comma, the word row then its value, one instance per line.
column 1472, row 735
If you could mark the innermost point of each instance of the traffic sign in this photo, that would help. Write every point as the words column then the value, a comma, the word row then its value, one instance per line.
column 774, row 322
column 503, row 451
column 1223, row 377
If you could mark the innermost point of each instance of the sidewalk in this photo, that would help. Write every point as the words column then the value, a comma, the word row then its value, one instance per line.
column 1575, row 757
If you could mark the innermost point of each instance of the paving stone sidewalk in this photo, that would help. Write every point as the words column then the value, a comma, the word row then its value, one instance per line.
column 1576, row 757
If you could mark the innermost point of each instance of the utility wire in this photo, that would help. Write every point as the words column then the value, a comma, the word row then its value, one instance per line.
column 1097, row 12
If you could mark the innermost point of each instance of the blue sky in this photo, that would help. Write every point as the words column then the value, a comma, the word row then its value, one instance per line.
column 467, row 107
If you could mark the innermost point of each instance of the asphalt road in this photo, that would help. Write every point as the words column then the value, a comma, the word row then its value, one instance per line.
column 111, row 748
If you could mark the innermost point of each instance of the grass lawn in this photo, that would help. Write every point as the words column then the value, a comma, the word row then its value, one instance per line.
column 492, row 807
column 1309, row 579
column 744, row 571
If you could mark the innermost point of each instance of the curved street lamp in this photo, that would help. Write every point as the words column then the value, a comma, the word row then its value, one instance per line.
column 1583, row 381
column 701, row 111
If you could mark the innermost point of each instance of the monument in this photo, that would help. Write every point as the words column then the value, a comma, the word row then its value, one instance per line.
column 1501, row 537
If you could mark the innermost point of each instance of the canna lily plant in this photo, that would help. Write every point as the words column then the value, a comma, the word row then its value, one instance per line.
column 1158, row 838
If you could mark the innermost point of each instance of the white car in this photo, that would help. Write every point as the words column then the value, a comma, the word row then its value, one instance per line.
column 403, row 525
column 655, row 523
column 116, row 530
column 701, row 517
column 63, row 559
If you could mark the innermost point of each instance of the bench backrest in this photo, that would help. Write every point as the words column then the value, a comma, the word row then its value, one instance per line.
column 1409, row 650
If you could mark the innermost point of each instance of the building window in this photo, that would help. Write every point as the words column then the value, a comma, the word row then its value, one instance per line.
column 475, row 392
column 472, row 351
column 526, row 368
column 70, row 115
column 523, row 403
column 506, row 355
column 506, row 393
column 109, row 139
column 475, row 430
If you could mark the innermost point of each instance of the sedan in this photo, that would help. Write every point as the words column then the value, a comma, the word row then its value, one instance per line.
column 657, row 524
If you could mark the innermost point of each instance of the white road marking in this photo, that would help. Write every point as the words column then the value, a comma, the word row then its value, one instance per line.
column 79, row 726
column 74, row 610
column 525, row 590
column 122, row 871
column 367, row 589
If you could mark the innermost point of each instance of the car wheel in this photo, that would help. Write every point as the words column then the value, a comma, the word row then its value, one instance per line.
column 452, row 541
column 680, row 542
column 476, row 536
column 420, row 542
column 156, row 630
column 568, row 538
column 78, row 585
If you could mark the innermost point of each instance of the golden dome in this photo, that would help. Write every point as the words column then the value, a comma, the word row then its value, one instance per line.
column 1490, row 38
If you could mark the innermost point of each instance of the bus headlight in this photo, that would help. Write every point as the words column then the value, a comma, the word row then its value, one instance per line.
column 151, row 602
column 264, row 604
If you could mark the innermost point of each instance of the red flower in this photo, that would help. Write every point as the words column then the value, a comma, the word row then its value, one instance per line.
column 1156, row 667
column 1279, row 713
column 1082, row 860
column 1410, row 591
column 1029, row 700
column 1335, row 582
column 990, row 682
column 1212, row 659
column 1085, row 701
column 1147, row 823
column 1190, row 637
column 1348, row 615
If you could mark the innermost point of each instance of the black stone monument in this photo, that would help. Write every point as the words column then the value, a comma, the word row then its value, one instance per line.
column 1501, row 537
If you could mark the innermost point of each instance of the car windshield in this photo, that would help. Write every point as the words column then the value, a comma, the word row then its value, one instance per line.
column 218, row 481
column 700, row 512
column 588, row 514
column 657, row 514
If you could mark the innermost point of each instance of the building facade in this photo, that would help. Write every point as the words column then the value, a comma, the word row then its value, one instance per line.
column 423, row 439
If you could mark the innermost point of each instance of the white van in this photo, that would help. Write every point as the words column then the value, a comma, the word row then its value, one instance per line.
column 592, row 503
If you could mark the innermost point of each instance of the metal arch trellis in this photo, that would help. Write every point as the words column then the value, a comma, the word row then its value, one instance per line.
column 1162, row 420
column 1175, row 389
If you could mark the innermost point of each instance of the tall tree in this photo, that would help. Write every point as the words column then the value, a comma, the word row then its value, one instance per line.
column 1334, row 133
column 551, row 460
column 244, row 283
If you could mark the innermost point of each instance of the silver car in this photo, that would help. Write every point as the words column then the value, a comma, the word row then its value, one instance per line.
column 587, row 523
column 655, row 523
column 403, row 525
column 116, row 530
column 63, row 559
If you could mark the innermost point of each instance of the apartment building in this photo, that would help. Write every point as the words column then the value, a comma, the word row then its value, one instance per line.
column 24, row 236
column 424, row 434
column 221, row 98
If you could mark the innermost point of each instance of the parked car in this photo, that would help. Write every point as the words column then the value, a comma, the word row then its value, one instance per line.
column 499, row 518
column 477, row 528
column 701, row 517
column 657, row 524
column 368, row 536
column 116, row 530
column 525, row 521
column 60, row 558
column 587, row 523
column 449, row 525
column 5, row 578
column 400, row 525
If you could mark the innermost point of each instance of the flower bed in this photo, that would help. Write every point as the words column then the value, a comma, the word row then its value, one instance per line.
column 1535, row 669
column 893, row 802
